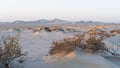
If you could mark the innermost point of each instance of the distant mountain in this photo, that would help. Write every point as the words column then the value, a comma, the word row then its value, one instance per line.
column 37, row 21
column 59, row 21
column 4, row 23
column 18, row 21
column 42, row 21
column 88, row 22
column 53, row 21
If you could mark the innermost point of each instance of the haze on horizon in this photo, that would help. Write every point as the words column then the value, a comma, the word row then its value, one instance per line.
column 73, row 10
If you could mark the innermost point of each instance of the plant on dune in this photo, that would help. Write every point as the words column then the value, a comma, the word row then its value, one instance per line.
column 89, row 42
column 115, row 31
column 94, row 46
column 93, row 42
column 65, row 46
column 9, row 50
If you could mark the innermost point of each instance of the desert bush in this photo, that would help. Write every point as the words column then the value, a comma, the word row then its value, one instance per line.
column 115, row 31
column 47, row 29
column 93, row 45
column 94, row 42
column 63, row 47
column 89, row 42
column 9, row 50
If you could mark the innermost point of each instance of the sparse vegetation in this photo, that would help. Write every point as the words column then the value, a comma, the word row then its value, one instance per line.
column 89, row 42
column 9, row 50
column 63, row 47
column 115, row 31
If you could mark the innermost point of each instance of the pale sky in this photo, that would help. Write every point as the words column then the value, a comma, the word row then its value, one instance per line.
column 74, row 10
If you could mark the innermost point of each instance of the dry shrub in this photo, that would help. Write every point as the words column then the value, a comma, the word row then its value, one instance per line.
column 47, row 29
column 115, row 31
column 63, row 47
column 9, row 50
column 93, row 44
